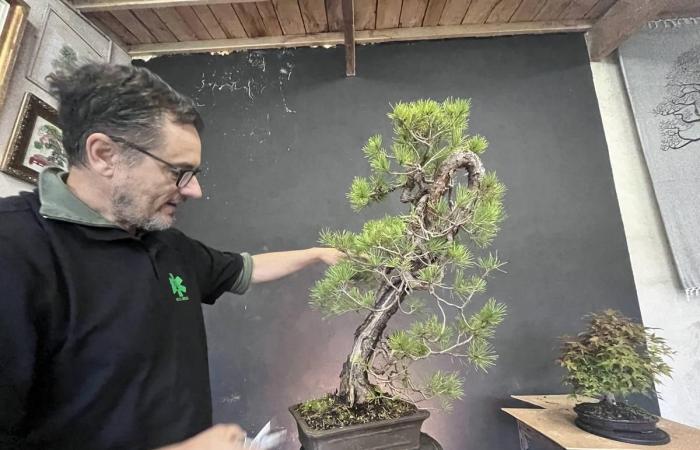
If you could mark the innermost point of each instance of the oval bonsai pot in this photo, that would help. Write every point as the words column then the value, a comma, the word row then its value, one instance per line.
column 642, row 431
column 402, row 433
column 639, row 425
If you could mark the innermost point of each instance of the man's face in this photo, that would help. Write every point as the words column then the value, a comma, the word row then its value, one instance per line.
column 145, row 195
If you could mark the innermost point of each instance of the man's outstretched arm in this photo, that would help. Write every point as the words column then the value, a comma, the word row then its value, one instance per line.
column 275, row 265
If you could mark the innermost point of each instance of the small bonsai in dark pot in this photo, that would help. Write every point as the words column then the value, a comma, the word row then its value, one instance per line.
column 616, row 356
column 428, row 263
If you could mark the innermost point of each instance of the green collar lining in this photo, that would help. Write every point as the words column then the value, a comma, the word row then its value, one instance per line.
column 59, row 203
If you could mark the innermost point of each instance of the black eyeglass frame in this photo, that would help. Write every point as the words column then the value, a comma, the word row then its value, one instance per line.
column 184, row 176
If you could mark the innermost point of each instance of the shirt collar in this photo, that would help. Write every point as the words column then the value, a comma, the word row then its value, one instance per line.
column 59, row 203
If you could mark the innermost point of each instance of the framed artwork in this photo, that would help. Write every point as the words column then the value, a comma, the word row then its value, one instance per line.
column 13, row 18
column 61, row 42
column 36, row 141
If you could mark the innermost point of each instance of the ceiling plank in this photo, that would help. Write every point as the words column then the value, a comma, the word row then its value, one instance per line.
column 363, row 37
column 134, row 25
column 156, row 26
column 503, row 11
column 479, row 11
column 454, row 12
column 289, row 15
column 209, row 21
column 600, row 8
column 552, row 10
column 269, row 18
column 334, row 12
column 412, row 13
column 365, row 14
column 113, row 27
column 623, row 19
column 527, row 11
column 433, row 13
column 349, row 36
column 229, row 20
column 578, row 9
column 472, row 30
column 314, row 14
column 110, row 5
column 388, row 13
column 250, row 19
column 192, row 20
column 175, row 23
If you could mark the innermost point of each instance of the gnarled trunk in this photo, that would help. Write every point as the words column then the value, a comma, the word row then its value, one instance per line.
column 355, row 386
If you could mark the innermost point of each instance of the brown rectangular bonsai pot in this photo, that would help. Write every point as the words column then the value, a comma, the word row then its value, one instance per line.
column 395, row 434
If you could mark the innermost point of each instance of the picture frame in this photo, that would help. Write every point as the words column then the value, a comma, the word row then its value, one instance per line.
column 61, row 42
column 36, row 141
column 13, row 20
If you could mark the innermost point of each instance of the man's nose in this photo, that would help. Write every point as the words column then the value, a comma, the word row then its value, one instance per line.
column 193, row 189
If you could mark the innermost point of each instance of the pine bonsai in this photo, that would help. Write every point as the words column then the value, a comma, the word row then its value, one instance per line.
column 614, row 356
column 422, row 263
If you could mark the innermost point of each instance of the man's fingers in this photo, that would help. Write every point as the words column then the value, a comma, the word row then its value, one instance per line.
column 232, row 432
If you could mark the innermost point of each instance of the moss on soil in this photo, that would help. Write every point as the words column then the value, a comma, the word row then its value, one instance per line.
column 330, row 412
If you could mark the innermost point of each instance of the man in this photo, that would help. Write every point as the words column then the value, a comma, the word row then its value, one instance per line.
column 102, row 336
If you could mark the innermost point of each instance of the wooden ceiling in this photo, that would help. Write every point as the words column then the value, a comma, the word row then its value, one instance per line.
column 148, row 27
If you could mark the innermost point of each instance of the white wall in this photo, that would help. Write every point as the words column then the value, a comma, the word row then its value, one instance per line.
column 661, row 299
column 19, row 84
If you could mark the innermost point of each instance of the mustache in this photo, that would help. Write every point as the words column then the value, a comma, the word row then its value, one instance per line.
column 180, row 199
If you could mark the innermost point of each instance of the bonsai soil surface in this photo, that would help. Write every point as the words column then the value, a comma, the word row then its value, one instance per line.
column 330, row 412
column 618, row 411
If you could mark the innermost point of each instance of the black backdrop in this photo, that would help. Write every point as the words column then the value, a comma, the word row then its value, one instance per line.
column 282, row 144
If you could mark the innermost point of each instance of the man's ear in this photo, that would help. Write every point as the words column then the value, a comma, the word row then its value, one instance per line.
column 101, row 154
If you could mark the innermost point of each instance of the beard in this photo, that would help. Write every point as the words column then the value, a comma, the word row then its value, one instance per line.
column 132, row 211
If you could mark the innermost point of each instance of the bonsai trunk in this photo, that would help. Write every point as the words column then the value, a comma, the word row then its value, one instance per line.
column 355, row 386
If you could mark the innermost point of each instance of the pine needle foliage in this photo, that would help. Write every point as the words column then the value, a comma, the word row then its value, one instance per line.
column 437, row 248
column 614, row 355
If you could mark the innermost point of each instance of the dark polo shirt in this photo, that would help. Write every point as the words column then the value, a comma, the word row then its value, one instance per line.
column 102, row 340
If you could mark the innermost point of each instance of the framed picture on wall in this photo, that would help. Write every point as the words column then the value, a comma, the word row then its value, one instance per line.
column 36, row 141
column 13, row 18
column 61, row 42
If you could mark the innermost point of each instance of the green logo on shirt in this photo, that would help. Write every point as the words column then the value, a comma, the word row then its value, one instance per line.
column 178, row 288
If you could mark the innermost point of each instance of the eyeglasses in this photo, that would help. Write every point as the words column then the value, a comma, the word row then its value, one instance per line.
column 184, row 176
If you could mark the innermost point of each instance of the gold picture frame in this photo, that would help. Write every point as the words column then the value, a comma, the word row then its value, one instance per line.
column 13, row 26
column 77, row 40
column 36, row 141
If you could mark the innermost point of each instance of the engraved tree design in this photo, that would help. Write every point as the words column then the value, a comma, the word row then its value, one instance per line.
column 681, row 107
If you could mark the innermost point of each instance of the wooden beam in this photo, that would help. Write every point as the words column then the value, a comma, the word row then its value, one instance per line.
column 471, row 30
column 362, row 37
column 109, row 5
column 619, row 22
column 349, row 36
column 682, row 8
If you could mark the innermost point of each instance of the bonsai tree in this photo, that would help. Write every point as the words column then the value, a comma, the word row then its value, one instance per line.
column 428, row 263
column 614, row 356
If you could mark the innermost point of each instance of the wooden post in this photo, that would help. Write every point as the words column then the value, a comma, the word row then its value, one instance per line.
column 349, row 30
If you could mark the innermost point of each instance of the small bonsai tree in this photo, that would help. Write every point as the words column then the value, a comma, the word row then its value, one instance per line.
column 420, row 263
column 614, row 356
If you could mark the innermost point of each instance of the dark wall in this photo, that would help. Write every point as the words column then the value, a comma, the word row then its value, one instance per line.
column 282, row 144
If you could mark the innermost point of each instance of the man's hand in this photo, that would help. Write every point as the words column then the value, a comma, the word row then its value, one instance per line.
column 330, row 256
column 218, row 437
